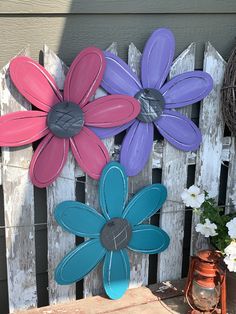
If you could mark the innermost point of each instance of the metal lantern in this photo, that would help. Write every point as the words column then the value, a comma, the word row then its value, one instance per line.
column 205, row 289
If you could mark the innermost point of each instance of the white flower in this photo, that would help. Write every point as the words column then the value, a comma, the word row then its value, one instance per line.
column 230, row 261
column 231, row 249
column 230, row 258
column 231, row 225
column 192, row 197
column 208, row 229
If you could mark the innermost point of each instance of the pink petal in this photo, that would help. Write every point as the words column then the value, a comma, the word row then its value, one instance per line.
column 34, row 83
column 48, row 160
column 84, row 76
column 90, row 152
column 110, row 111
column 22, row 127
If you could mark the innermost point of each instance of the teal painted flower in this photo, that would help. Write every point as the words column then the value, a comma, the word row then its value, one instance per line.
column 111, row 233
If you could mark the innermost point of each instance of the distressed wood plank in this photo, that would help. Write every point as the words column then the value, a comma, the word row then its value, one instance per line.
column 135, row 301
column 113, row 6
column 18, row 207
column 93, row 282
column 139, row 263
column 174, row 177
column 211, row 124
column 231, row 183
column 59, row 242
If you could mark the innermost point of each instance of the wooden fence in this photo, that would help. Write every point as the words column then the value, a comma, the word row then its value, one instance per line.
column 18, row 193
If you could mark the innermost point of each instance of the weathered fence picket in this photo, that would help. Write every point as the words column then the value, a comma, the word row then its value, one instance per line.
column 174, row 177
column 138, row 262
column 208, row 164
column 19, row 197
column 18, row 207
column 59, row 242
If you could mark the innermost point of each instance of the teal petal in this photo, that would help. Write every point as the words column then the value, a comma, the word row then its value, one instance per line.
column 116, row 273
column 79, row 262
column 148, row 239
column 79, row 219
column 113, row 190
column 145, row 203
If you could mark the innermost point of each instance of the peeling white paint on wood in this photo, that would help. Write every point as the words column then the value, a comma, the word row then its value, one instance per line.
column 93, row 282
column 18, row 207
column 211, row 124
column 174, row 177
column 231, row 183
column 62, row 189
column 139, row 263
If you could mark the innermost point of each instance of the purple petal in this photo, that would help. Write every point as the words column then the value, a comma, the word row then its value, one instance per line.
column 118, row 77
column 179, row 130
column 136, row 147
column 186, row 89
column 109, row 132
column 157, row 58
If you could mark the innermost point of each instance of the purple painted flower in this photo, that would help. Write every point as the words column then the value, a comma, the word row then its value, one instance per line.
column 157, row 99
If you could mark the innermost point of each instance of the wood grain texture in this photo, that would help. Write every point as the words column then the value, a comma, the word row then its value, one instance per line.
column 18, row 207
column 208, row 165
column 139, row 263
column 113, row 6
column 135, row 301
column 93, row 282
column 63, row 189
column 67, row 35
column 174, row 177
column 231, row 182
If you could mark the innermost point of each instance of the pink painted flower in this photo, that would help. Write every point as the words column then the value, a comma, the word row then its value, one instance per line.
column 64, row 120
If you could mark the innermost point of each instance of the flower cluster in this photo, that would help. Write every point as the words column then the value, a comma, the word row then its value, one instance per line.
column 214, row 224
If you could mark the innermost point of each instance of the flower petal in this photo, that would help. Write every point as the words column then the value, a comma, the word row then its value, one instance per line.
column 145, row 203
column 157, row 58
column 186, row 89
column 48, row 160
column 136, row 147
column 109, row 132
column 148, row 239
column 180, row 131
column 116, row 273
column 22, row 127
column 118, row 77
column 111, row 111
column 34, row 83
column 79, row 262
column 84, row 76
column 79, row 219
column 113, row 190
column 90, row 153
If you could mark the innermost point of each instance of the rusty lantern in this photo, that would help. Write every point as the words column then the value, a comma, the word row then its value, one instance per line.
column 205, row 289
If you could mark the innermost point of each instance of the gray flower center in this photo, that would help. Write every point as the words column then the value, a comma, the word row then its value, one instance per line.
column 152, row 104
column 116, row 234
column 65, row 119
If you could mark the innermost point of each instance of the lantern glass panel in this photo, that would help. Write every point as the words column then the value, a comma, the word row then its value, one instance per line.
column 205, row 298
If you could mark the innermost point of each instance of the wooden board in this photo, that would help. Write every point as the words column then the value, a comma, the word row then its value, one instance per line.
column 174, row 177
column 113, row 6
column 93, row 282
column 18, row 207
column 231, row 183
column 139, row 263
column 159, row 298
column 67, row 35
column 63, row 189
column 211, row 124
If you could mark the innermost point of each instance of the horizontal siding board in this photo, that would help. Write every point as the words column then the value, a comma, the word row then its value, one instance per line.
column 67, row 36
column 114, row 6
